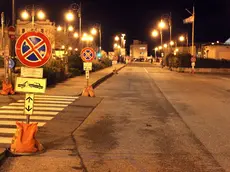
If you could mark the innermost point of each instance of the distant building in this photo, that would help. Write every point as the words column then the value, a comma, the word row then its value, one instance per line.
column 46, row 27
column 138, row 50
column 216, row 51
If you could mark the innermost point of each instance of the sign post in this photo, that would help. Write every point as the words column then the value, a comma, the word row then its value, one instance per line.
column 33, row 49
column 193, row 63
column 87, row 56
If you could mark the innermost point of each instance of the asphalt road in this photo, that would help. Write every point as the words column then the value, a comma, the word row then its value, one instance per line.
column 154, row 120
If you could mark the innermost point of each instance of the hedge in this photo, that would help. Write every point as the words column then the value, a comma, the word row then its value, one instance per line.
column 184, row 60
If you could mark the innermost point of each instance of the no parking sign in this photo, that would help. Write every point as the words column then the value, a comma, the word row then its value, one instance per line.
column 33, row 49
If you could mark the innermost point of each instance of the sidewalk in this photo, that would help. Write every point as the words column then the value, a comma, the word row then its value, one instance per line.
column 71, row 87
column 78, row 83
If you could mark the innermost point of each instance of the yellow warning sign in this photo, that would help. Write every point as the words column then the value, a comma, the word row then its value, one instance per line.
column 30, row 85
column 29, row 104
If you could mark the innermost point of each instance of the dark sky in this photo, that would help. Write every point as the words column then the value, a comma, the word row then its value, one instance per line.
column 137, row 18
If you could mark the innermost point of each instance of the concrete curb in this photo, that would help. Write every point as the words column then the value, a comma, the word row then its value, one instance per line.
column 98, row 82
column 2, row 154
column 104, row 78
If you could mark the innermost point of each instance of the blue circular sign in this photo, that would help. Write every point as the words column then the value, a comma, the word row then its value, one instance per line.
column 11, row 63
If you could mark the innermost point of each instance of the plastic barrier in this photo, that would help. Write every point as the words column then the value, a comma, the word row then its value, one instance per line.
column 88, row 92
column 7, row 88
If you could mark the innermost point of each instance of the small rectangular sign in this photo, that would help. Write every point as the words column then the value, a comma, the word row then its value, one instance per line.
column 30, row 85
column 88, row 66
column 29, row 104
column 31, row 72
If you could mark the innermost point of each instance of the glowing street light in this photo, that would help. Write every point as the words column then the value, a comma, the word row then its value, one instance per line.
column 156, row 49
column 181, row 38
column 171, row 43
column 155, row 33
column 69, row 16
column 70, row 48
column 115, row 45
column 160, row 47
column 165, row 45
column 25, row 15
column 75, row 35
column 118, row 46
column 70, row 28
column 162, row 24
column 59, row 28
column 93, row 31
column 76, row 49
column 63, row 46
column 117, row 38
column 41, row 15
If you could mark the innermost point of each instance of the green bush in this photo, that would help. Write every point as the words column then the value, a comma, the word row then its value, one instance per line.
column 74, row 72
column 106, row 61
column 76, row 62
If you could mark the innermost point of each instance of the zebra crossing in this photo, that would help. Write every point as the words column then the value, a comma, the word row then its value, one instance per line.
column 46, row 107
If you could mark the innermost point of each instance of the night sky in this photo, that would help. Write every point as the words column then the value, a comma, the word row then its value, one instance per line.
column 137, row 18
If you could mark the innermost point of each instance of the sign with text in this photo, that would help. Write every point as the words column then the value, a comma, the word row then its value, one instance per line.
column 29, row 104
column 31, row 72
column 88, row 66
column 30, row 85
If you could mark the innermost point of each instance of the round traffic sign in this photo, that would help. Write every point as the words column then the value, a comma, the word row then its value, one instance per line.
column 87, row 54
column 11, row 63
column 11, row 32
column 33, row 49
column 193, row 59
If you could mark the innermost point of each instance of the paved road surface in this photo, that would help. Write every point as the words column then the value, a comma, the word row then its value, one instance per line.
column 142, row 124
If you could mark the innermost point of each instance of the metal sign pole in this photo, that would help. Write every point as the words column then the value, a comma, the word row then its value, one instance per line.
column 28, row 106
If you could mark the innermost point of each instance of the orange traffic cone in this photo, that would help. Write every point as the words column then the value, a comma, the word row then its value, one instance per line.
column 24, row 141
column 7, row 88
column 88, row 92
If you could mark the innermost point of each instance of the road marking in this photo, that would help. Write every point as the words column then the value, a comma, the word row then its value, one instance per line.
column 24, row 117
column 5, row 140
column 8, row 130
column 39, row 101
column 67, row 97
column 48, row 98
column 35, row 112
column 146, row 70
column 40, row 124
column 35, row 108
column 39, row 104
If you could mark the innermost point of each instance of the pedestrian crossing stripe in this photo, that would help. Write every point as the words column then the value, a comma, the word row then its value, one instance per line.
column 35, row 108
column 46, row 107
column 66, row 97
column 40, row 124
column 47, row 101
column 17, row 117
column 5, row 140
column 40, row 104
column 34, row 113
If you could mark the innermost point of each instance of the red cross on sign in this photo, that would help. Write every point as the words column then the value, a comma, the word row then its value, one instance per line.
column 33, row 49
column 87, row 54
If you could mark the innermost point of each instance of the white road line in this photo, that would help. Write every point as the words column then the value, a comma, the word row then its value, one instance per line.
column 40, row 124
column 44, row 101
column 48, row 98
column 35, row 108
column 66, row 97
column 21, row 112
column 16, row 117
column 146, row 70
column 39, row 104
column 5, row 140
column 8, row 130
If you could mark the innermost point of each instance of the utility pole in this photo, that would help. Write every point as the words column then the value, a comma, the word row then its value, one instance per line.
column 193, row 30
column 80, row 24
column 33, row 16
column 13, row 12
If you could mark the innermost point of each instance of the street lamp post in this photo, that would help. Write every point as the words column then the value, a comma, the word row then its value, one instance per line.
column 94, row 32
column 25, row 14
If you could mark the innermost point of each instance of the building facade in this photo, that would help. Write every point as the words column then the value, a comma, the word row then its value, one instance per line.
column 138, row 50
column 47, row 27
column 216, row 51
